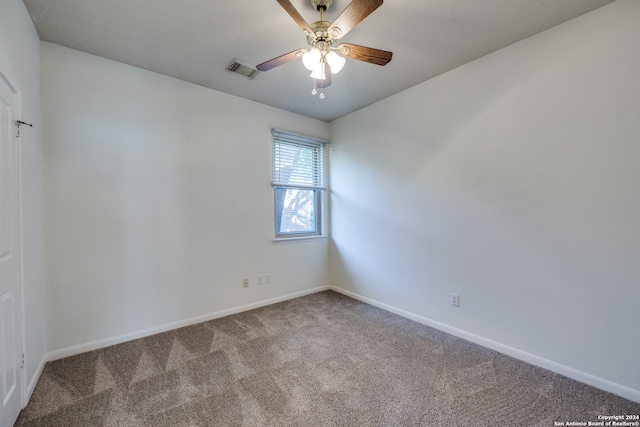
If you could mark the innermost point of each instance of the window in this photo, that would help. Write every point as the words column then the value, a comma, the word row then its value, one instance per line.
column 298, row 183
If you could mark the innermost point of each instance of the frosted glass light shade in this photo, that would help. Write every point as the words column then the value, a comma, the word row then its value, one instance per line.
column 311, row 59
column 318, row 72
column 335, row 61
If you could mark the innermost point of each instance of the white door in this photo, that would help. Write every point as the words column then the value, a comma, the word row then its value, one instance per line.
column 10, row 302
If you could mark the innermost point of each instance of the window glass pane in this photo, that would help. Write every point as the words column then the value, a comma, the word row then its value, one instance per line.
column 295, row 211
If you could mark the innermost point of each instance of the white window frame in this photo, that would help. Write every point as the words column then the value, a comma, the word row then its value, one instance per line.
column 306, row 180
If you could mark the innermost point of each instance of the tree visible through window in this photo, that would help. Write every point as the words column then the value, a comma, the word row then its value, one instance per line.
column 298, row 179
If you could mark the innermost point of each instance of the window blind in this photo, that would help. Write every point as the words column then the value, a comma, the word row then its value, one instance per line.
column 297, row 161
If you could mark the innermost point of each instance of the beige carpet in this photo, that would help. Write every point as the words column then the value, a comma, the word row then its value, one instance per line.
column 319, row 360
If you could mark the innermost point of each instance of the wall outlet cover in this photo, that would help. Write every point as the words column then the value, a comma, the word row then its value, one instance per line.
column 455, row 300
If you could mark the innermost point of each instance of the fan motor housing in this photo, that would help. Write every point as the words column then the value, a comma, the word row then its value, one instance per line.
column 319, row 31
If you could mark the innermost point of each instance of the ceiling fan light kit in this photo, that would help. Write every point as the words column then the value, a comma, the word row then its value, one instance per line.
column 322, row 36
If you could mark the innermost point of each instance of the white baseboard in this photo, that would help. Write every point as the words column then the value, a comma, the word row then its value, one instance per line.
column 606, row 385
column 94, row 345
column 34, row 380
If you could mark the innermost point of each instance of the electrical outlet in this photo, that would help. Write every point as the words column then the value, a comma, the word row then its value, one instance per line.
column 245, row 283
column 455, row 300
column 260, row 280
column 267, row 278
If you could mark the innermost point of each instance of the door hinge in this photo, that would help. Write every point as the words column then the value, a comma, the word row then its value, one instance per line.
column 22, row 360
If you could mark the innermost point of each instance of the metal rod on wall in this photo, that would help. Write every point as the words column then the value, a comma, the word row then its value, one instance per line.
column 20, row 123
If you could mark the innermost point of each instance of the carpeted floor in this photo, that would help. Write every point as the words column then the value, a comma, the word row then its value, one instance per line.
column 320, row 360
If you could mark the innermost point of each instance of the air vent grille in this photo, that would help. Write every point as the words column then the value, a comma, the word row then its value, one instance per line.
column 242, row 69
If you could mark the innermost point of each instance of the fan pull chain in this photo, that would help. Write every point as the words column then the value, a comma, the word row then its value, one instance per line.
column 314, row 91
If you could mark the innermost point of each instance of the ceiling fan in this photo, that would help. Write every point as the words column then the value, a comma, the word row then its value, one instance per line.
column 326, row 57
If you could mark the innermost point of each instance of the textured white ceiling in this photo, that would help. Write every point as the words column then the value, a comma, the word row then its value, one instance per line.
column 194, row 40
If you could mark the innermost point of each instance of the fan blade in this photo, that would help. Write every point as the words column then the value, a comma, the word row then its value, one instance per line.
column 366, row 54
column 286, row 4
column 327, row 81
column 282, row 59
column 352, row 16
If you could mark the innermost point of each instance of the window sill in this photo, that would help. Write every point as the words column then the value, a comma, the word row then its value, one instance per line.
column 284, row 240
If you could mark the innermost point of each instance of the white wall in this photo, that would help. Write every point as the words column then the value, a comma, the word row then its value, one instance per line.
column 157, row 202
column 20, row 63
column 513, row 181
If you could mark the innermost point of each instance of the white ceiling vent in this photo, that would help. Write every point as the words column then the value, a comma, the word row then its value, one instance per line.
column 242, row 69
